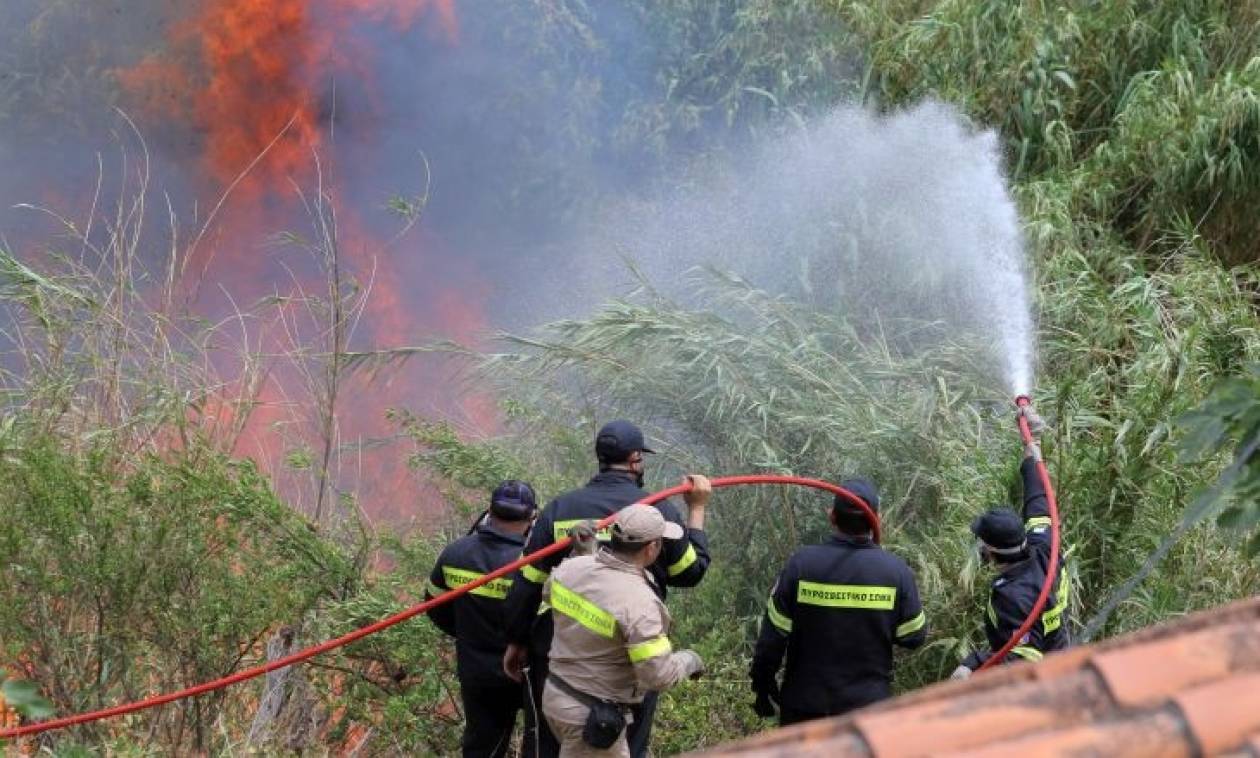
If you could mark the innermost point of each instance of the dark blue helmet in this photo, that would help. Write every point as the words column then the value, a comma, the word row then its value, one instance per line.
column 617, row 440
column 863, row 488
column 513, row 500
column 1002, row 530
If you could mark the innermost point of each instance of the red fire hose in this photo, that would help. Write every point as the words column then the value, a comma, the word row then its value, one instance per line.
column 416, row 610
column 1000, row 655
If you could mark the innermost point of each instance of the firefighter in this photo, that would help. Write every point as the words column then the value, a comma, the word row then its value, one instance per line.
column 1019, row 549
column 476, row 620
column 611, row 641
column 682, row 562
column 835, row 612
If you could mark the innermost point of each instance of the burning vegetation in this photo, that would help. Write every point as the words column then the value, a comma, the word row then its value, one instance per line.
column 252, row 253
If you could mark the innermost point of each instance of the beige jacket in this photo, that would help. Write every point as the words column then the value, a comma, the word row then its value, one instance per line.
column 610, row 629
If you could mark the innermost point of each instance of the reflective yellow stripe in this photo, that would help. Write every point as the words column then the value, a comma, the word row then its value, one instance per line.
column 1036, row 522
column 683, row 563
column 781, row 622
column 534, row 575
column 560, row 529
column 495, row 588
column 868, row 597
column 1028, row 653
column 650, row 649
column 583, row 611
column 912, row 626
column 1052, row 619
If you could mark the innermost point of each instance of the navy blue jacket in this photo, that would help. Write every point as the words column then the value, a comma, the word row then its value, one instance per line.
column 836, row 611
column 476, row 619
column 682, row 562
column 1014, row 591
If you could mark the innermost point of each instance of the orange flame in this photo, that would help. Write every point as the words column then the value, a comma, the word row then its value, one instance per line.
column 240, row 81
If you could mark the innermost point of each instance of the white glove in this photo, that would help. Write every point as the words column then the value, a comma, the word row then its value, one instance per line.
column 960, row 673
column 1036, row 424
column 692, row 663
column 584, row 538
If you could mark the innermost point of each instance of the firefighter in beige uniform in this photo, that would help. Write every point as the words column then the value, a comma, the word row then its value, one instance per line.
column 611, row 641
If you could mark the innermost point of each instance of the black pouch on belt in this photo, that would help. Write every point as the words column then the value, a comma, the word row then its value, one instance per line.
column 604, row 721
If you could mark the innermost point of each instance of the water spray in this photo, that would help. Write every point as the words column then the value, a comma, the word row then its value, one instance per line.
column 1023, row 403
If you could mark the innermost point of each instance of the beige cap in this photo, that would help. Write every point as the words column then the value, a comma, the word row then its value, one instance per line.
column 644, row 523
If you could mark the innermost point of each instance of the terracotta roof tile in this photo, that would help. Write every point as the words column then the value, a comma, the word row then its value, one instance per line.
column 1160, row 734
column 1222, row 714
column 975, row 718
column 1144, row 674
column 1189, row 687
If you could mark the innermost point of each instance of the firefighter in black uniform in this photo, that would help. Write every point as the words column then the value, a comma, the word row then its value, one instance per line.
column 836, row 610
column 619, row 447
column 1019, row 548
column 476, row 620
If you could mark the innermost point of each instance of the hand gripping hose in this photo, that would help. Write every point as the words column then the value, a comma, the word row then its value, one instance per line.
column 416, row 610
column 1024, row 431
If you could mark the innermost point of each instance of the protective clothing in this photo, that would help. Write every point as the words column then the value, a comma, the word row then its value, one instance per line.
column 476, row 621
column 1014, row 591
column 611, row 637
column 836, row 611
column 682, row 563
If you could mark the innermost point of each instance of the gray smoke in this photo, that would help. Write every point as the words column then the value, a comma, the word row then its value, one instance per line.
column 540, row 128
column 906, row 215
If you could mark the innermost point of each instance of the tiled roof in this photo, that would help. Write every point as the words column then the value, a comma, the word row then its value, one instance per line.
column 1186, row 688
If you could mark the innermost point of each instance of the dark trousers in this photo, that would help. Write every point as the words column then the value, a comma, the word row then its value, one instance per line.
column 489, row 716
column 539, row 742
column 639, row 734
column 789, row 716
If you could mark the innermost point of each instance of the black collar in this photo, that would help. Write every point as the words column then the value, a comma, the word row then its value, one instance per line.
column 491, row 532
column 613, row 477
column 850, row 541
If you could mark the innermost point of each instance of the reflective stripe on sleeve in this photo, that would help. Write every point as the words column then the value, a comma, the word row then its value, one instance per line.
column 912, row 626
column 537, row 576
column 1027, row 652
column 583, row 611
column 1052, row 619
column 1036, row 522
column 644, row 650
column 862, row 596
column 683, row 563
column 781, row 622
column 496, row 589
column 560, row 529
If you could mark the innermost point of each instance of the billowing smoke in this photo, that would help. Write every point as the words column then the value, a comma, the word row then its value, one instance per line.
column 539, row 141
column 900, row 216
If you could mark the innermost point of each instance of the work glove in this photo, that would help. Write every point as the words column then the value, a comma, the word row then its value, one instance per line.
column 584, row 537
column 692, row 663
column 960, row 673
column 767, row 703
column 1036, row 424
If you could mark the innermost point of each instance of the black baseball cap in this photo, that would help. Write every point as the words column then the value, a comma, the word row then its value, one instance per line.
column 513, row 500
column 863, row 488
column 1001, row 529
column 617, row 440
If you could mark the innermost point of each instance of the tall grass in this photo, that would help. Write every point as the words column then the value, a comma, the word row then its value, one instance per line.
column 1131, row 134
